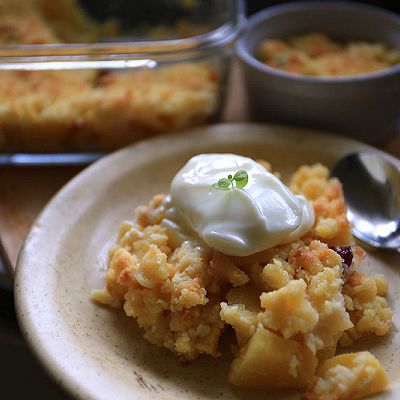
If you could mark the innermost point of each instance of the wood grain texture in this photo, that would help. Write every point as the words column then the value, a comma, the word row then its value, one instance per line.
column 23, row 194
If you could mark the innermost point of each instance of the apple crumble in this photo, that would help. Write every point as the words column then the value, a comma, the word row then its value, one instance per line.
column 290, row 306
column 94, row 109
column 316, row 54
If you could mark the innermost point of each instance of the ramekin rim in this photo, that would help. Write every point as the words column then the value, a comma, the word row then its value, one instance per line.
column 263, row 15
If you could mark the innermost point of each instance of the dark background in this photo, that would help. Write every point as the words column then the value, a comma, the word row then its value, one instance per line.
column 257, row 5
column 142, row 14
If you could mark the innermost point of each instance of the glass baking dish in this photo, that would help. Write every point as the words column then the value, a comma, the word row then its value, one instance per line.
column 80, row 77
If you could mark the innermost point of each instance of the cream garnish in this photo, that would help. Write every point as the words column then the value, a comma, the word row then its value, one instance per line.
column 236, row 222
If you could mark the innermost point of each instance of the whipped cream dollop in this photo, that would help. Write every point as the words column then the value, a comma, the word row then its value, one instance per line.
column 236, row 222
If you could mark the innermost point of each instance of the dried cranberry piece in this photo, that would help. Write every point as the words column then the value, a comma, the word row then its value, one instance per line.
column 102, row 77
column 346, row 255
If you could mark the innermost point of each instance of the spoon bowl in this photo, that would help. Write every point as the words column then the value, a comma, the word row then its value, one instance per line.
column 371, row 186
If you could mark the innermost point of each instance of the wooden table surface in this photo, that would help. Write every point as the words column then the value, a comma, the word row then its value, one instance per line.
column 24, row 191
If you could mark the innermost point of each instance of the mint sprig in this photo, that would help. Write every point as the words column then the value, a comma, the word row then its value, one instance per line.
column 239, row 181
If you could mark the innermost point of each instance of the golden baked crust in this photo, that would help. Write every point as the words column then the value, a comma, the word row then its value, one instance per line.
column 290, row 306
column 80, row 110
column 91, row 109
column 318, row 55
column 48, row 22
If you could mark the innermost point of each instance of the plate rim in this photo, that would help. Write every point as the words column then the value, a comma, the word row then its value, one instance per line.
column 34, row 339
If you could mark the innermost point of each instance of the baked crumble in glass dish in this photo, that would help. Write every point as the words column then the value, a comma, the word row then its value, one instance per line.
column 82, row 76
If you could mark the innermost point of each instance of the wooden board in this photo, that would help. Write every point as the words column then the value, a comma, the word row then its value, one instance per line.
column 23, row 193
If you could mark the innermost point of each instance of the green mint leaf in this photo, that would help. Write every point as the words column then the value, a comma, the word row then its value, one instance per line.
column 241, row 184
column 224, row 184
column 241, row 177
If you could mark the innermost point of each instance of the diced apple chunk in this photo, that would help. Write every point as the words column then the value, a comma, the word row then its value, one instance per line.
column 270, row 361
column 243, row 321
column 241, row 311
column 348, row 377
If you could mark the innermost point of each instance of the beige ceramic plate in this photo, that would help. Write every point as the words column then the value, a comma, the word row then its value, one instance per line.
column 98, row 353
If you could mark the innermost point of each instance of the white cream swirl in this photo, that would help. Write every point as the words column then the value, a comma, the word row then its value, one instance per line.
column 236, row 222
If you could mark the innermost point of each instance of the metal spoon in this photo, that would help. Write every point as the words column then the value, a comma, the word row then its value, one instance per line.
column 371, row 186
